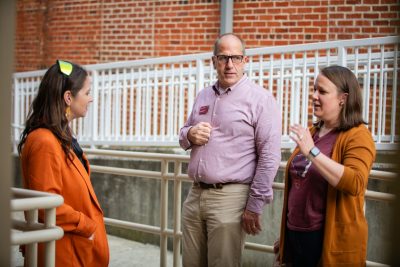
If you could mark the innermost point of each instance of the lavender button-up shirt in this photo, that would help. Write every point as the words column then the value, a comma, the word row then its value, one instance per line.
column 244, row 146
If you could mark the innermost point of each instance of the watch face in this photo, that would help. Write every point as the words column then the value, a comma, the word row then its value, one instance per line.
column 314, row 151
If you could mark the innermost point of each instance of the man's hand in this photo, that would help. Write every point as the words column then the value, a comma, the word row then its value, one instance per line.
column 200, row 133
column 251, row 222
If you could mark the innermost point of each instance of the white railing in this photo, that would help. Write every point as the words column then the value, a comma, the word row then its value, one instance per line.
column 175, row 174
column 31, row 232
column 145, row 102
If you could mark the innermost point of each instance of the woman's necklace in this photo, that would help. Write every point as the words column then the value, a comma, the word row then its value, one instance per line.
column 324, row 130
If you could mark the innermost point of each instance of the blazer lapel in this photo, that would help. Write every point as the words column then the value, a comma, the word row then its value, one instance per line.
column 86, row 176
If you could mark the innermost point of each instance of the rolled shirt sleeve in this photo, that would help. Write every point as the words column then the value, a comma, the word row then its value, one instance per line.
column 183, row 139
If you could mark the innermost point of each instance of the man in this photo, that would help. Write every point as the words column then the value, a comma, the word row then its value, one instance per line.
column 234, row 133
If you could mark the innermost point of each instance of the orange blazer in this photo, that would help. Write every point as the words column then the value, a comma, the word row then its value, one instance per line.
column 45, row 168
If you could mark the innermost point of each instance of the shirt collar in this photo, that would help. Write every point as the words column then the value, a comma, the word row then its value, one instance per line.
column 216, row 87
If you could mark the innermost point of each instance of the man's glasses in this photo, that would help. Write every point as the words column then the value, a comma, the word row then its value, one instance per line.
column 65, row 67
column 236, row 59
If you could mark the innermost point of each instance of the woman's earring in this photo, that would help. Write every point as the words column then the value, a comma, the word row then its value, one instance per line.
column 68, row 112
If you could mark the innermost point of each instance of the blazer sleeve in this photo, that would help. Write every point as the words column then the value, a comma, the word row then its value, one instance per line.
column 358, row 154
column 42, row 163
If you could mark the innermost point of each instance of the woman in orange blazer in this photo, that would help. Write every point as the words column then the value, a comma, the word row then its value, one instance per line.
column 52, row 161
column 323, row 222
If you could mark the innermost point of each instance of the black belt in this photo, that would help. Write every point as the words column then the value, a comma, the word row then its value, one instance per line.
column 211, row 186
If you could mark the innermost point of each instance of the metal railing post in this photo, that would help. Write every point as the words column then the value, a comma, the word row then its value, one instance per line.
column 394, row 98
column 95, row 106
column 199, row 77
column 16, row 122
column 50, row 221
column 177, row 213
column 31, row 249
column 342, row 56
column 163, row 213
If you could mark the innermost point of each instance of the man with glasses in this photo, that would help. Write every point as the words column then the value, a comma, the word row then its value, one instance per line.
column 234, row 133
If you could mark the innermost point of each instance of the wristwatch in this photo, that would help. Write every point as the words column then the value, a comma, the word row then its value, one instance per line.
column 313, row 153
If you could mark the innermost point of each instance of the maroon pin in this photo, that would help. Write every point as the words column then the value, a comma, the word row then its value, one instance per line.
column 203, row 110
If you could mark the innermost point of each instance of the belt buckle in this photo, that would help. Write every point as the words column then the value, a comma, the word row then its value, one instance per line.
column 218, row 185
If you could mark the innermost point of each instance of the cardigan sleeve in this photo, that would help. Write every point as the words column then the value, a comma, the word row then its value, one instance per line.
column 357, row 155
column 42, row 162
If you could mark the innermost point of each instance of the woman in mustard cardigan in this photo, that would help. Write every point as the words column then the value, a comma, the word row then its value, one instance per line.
column 52, row 161
column 323, row 222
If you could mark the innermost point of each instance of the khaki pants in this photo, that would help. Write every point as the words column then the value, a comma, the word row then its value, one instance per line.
column 211, row 226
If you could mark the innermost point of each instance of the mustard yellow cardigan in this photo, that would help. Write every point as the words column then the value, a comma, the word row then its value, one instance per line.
column 346, row 229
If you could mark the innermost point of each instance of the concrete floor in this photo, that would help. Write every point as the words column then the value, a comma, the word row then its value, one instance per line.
column 123, row 252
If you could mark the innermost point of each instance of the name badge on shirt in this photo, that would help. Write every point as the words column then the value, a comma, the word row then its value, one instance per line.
column 203, row 110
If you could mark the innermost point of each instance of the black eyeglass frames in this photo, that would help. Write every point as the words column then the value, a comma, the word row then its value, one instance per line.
column 236, row 59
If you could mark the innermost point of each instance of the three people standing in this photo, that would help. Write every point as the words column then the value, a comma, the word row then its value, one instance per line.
column 234, row 133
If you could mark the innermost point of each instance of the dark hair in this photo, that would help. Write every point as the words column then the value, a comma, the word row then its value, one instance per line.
column 218, row 42
column 346, row 82
column 48, row 108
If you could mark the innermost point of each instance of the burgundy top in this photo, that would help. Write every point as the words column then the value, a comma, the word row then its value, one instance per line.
column 244, row 145
column 308, row 189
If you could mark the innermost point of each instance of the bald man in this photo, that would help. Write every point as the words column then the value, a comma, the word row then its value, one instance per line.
column 234, row 133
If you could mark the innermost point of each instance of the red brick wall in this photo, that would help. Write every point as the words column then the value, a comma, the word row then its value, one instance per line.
column 29, row 35
column 91, row 31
